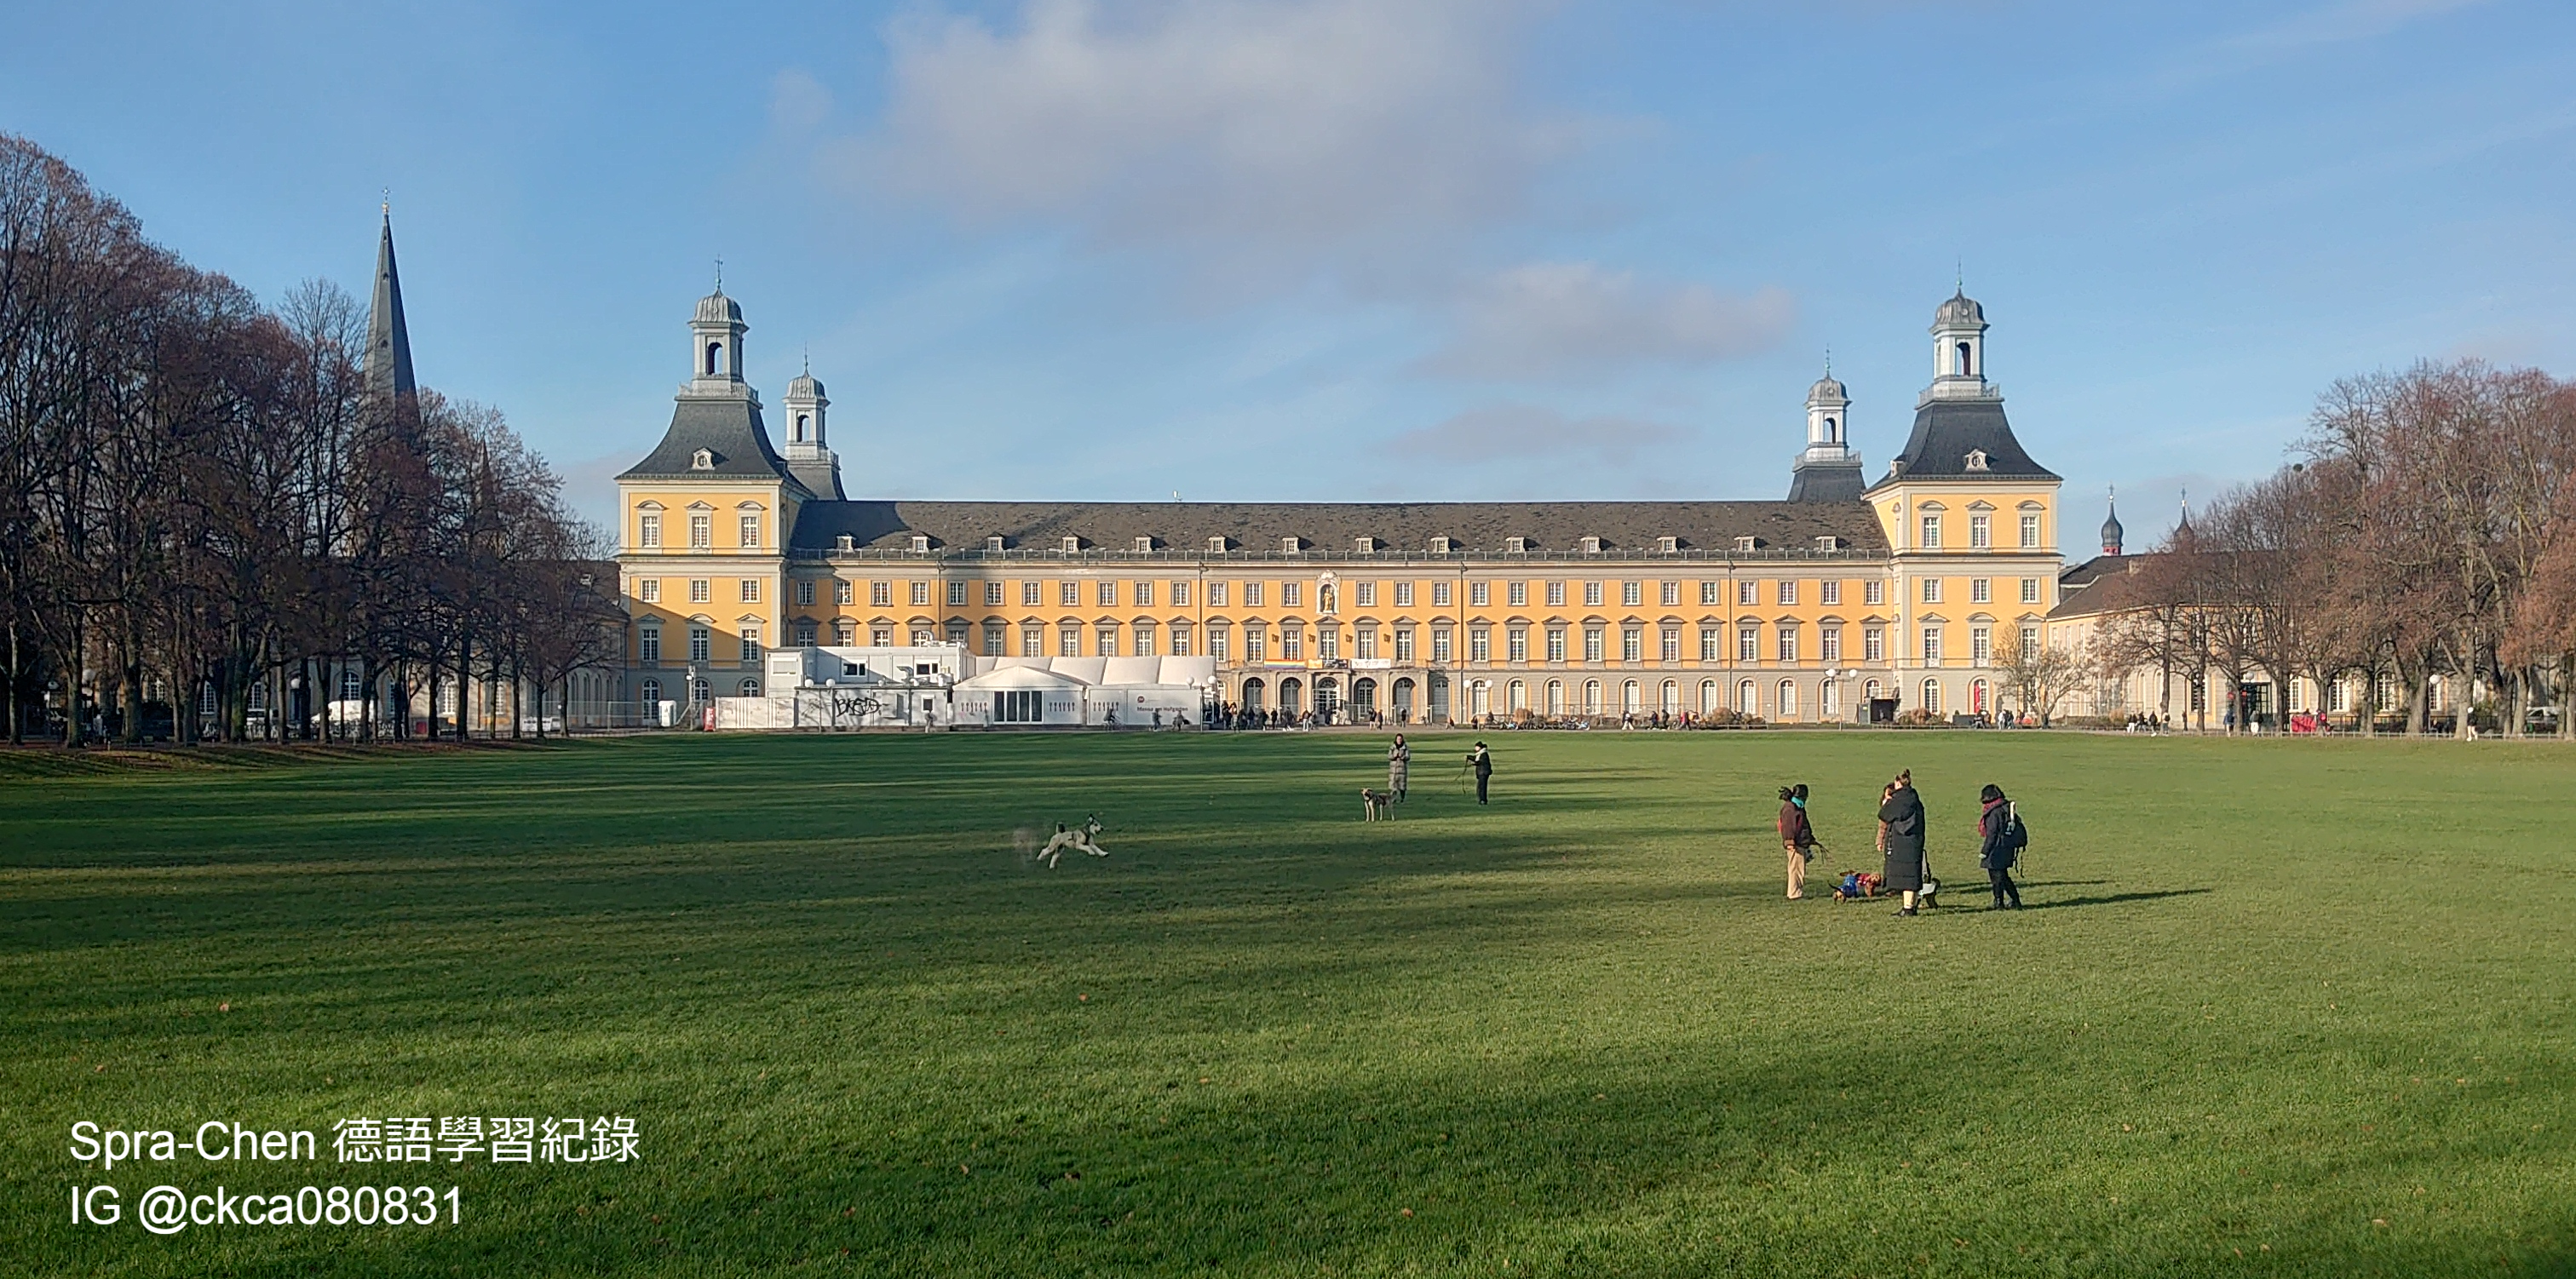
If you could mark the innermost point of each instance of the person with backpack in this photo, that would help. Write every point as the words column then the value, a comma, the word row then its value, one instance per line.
column 1903, row 816
column 1798, row 836
column 2000, row 839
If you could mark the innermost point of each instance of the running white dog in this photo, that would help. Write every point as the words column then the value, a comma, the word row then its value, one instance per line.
column 1079, row 839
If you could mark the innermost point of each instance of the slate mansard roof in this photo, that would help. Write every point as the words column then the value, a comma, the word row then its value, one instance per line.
column 1329, row 530
column 1947, row 431
column 728, row 427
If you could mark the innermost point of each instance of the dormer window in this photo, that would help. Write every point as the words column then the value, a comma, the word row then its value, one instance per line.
column 1072, row 546
column 1592, row 546
column 921, row 543
column 1144, row 545
column 844, row 543
column 1288, row 546
column 702, row 460
column 1744, row 546
column 1829, row 542
column 1440, row 546
column 993, row 545
column 1977, row 459
column 1516, row 545
column 1668, row 545
column 1364, row 545
column 1216, row 546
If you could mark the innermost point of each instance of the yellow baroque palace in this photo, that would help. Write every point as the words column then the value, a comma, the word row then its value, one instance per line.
column 1905, row 590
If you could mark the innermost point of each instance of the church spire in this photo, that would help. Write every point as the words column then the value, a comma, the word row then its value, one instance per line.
column 388, row 362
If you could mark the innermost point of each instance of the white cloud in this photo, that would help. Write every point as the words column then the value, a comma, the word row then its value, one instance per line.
column 1549, row 320
column 2337, row 23
column 1285, row 125
column 1520, row 431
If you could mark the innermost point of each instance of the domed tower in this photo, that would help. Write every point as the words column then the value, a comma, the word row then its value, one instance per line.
column 809, row 458
column 1959, row 352
column 715, row 338
column 2112, row 533
column 1829, row 470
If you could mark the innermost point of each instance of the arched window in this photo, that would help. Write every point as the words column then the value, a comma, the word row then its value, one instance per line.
column 751, row 687
column 349, row 689
column 702, row 691
column 1253, row 690
column 1788, row 700
column 1672, row 703
column 1959, row 361
column 1629, row 701
column 1869, row 691
column 1744, row 698
column 1829, row 430
column 1556, row 697
column 1931, row 697
column 652, row 691
column 1708, row 696
column 804, row 426
column 1520, row 697
column 1977, row 698
column 715, row 356
column 1592, row 697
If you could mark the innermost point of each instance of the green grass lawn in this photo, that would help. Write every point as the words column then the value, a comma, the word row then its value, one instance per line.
column 2288, row 1008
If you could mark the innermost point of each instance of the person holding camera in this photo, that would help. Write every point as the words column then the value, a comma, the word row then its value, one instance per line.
column 1482, row 761
column 1797, row 835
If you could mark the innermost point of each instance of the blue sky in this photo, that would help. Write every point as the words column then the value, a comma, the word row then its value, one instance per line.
column 1340, row 249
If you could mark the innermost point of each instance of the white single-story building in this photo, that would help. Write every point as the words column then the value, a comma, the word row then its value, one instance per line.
column 942, row 685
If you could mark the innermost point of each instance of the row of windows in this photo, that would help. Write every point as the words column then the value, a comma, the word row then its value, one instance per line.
column 1108, row 593
column 700, row 690
column 648, row 532
column 747, row 645
column 1981, row 531
column 1786, row 700
column 702, row 530
column 1290, row 642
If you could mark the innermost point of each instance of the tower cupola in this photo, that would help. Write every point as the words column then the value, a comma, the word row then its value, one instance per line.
column 2112, row 533
column 715, row 346
column 809, row 459
column 1829, row 469
column 1959, row 352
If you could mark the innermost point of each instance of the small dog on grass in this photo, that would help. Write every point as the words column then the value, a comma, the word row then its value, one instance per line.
column 1080, row 839
column 1377, row 805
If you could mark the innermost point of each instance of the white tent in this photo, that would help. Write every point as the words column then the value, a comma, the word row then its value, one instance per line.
column 1128, row 692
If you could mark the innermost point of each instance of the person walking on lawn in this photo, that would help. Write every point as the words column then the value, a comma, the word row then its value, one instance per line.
column 1996, row 849
column 1797, row 836
column 1903, row 813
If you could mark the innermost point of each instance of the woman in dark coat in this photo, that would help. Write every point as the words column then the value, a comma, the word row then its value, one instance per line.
column 1903, row 813
column 1994, row 846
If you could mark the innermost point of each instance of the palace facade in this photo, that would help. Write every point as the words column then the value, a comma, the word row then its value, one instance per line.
column 1799, row 610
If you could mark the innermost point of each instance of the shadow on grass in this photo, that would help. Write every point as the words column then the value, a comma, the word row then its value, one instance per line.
column 2114, row 899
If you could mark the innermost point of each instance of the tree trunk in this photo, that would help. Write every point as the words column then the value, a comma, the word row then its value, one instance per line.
column 17, row 714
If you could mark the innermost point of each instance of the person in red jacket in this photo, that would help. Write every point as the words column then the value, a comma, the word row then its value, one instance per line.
column 1797, row 836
